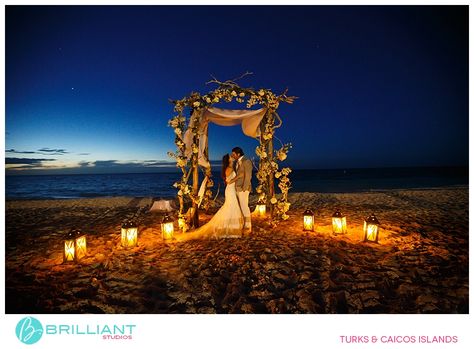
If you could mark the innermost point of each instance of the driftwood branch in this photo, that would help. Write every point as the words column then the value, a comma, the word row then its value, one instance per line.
column 214, row 80
column 229, row 83
column 287, row 99
column 278, row 139
column 242, row 76
column 280, row 122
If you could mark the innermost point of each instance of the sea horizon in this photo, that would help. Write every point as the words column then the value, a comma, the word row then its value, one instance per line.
column 160, row 184
column 217, row 169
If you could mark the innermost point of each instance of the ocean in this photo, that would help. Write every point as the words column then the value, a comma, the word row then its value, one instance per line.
column 159, row 185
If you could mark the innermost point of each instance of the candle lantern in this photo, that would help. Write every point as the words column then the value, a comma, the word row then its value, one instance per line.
column 129, row 236
column 339, row 225
column 371, row 229
column 75, row 246
column 308, row 220
column 261, row 208
column 167, row 228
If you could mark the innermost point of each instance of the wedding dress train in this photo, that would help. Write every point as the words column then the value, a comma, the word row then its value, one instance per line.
column 226, row 223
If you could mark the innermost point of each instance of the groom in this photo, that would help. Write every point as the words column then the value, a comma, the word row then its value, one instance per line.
column 243, row 186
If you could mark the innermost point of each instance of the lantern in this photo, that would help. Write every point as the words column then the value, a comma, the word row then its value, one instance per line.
column 371, row 229
column 339, row 225
column 308, row 220
column 75, row 246
column 129, row 234
column 261, row 208
column 167, row 228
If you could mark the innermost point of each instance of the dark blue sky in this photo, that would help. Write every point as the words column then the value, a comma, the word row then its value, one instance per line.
column 87, row 88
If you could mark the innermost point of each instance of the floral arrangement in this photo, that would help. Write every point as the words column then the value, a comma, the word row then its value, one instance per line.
column 268, row 169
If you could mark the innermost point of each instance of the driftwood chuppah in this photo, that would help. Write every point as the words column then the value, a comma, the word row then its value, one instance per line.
column 192, row 151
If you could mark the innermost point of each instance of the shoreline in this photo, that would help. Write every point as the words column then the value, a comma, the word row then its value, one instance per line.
column 454, row 186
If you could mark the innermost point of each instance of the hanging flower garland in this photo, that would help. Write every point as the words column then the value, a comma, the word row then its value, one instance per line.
column 229, row 91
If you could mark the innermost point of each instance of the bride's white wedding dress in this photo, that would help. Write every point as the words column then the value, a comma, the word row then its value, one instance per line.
column 227, row 222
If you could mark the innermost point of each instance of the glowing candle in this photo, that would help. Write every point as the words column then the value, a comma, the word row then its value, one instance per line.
column 308, row 220
column 371, row 229
column 75, row 246
column 167, row 228
column 261, row 208
column 129, row 236
column 339, row 225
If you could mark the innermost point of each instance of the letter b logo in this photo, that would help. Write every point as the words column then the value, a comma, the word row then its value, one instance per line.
column 29, row 330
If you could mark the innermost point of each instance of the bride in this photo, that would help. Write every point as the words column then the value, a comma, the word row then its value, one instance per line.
column 228, row 221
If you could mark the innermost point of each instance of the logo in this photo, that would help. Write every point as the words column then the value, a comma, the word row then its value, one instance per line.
column 29, row 330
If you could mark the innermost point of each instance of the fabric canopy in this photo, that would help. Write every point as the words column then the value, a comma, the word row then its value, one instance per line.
column 250, row 120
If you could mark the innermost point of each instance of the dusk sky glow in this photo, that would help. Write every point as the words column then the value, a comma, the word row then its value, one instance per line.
column 88, row 87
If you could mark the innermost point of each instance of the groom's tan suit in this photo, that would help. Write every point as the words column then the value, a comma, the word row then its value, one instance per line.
column 243, row 187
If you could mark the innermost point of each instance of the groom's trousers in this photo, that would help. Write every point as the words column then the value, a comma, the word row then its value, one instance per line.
column 243, row 197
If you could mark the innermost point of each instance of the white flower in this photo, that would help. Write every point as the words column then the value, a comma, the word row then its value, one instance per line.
column 175, row 185
column 233, row 93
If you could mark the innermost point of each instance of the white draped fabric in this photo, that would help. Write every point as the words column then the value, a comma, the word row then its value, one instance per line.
column 162, row 205
column 202, row 189
column 250, row 120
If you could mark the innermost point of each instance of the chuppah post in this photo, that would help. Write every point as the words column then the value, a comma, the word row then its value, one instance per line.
column 262, row 142
column 271, row 179
column 195, row 217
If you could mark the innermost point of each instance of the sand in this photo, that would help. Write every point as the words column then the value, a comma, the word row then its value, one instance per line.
column 420, row 264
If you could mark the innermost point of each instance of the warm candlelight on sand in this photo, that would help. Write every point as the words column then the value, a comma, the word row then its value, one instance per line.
column 371, row 229
column 339, row 225
column 75, row 246
column 167, row 228
column 129, row 236
column 308, row 220
column 282, row 249
column 261, row 209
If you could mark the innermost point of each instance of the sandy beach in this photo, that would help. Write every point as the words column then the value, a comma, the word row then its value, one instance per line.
column 420, row 264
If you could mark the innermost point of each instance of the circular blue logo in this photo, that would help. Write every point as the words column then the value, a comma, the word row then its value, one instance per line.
column 29, row 330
